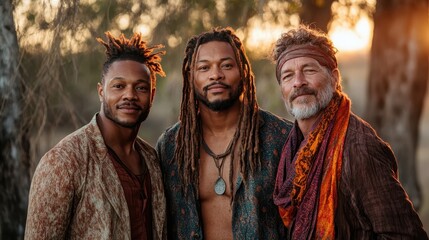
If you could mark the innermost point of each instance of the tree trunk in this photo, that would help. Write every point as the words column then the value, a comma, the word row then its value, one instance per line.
column 316, row 13
column 14, row 177
column 398, row 80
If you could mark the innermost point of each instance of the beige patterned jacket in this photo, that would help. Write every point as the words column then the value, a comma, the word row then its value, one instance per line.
column 76, row 193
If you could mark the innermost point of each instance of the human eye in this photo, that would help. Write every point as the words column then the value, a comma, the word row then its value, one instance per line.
column 142, row 88
column 227, row 66
column 310, row 70
column 202, row 68
column 286, row 77
column 117, row 86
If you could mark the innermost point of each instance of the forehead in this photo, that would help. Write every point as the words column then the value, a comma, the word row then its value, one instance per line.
column 215, row 50
column 299, row 62
column 128, row 69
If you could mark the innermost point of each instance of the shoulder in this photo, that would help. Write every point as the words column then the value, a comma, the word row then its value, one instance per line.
column 365, row 153
column 75, row 150
column 359, row 126
column 70, row 146
column 273, row 133
column 62, row 166
column 271, row 122
column 362, row 138
column 167, row 141
column 170, row 133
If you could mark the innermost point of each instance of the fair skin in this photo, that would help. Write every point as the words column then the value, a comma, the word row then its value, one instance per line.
column 302, row 81
column 217, row 78
column 126, row 96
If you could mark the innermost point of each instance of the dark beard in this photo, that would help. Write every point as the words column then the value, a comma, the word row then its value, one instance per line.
column 220, row 105
column 110, row 116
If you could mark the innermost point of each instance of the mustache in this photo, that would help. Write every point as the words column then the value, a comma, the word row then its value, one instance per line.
column 302, row 91
column 129, row 105
column 215, row 83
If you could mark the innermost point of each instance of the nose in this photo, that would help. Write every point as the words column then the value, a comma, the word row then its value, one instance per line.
column 130, row 93
column 216, row 74
column 299, row 80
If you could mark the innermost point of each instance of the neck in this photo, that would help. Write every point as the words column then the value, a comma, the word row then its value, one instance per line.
column 306, row 125
column 221, row 122
column 119, row 138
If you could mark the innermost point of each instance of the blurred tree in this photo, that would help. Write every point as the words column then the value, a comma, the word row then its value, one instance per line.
column 14, row 175
column 317, row 13
column 398, row 81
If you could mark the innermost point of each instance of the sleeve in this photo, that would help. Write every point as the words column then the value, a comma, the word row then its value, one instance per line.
column 384, row 202
column 51, row 198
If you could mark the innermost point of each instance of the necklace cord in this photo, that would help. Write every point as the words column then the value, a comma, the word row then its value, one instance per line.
column 217, row 157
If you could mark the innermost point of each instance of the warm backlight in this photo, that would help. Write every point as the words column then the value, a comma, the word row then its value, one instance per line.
column 352, row 39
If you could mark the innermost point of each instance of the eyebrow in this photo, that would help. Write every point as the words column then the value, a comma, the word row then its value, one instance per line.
column 222, row 59
column 138, row 80
column 303, row 66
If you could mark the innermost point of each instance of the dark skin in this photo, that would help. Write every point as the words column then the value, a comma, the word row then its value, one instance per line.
column 126, row 95
column 215, row 62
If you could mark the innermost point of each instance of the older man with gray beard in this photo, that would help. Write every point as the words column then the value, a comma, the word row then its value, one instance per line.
column 336, row 178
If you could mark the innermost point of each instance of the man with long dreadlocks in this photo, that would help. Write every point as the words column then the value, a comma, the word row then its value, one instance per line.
column 219, row 161
column 103, row 181
column 337, row 179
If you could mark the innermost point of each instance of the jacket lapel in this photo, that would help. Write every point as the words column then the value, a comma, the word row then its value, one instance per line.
column 112, row 189
column 158, row 198
column 109, row 180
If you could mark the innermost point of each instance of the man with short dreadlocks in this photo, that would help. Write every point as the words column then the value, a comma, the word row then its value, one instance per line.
column 103, row 181
column 219, row 162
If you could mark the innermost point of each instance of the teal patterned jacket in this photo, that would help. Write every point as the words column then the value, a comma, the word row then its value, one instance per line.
column 254, row 215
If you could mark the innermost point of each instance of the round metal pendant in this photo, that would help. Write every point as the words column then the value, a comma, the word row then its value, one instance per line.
column 220, row 186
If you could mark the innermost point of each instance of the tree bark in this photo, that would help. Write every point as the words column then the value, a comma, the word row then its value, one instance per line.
column 14, row 176
column 316, row 13
column 398, row 81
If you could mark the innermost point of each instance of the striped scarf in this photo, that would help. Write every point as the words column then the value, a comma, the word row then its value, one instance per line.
column 308, row 173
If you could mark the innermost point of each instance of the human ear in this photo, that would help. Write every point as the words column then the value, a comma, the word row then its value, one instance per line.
column 100, row 91
column 336, row 78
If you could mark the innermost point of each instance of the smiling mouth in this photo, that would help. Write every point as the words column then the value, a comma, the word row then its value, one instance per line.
column 216, row 86
column 302, row 92
column 301, row 95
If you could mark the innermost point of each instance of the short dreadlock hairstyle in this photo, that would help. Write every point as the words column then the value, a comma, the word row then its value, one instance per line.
column 134, row 49
column 188, row 139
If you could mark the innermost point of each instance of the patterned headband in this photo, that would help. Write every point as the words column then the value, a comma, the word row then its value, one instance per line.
column 305, row 51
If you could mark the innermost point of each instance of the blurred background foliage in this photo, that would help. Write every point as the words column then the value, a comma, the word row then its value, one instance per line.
column 59, row 51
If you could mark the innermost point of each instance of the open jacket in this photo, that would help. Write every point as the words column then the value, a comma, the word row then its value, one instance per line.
column 254, row 215
column 76, row 193
column 371, row 201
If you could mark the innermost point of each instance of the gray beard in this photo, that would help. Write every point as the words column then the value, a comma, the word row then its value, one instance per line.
column 308, row 110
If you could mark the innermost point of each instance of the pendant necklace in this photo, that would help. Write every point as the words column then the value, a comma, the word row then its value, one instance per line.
column 220, row 185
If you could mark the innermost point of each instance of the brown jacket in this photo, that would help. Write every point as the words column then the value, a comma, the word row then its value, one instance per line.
column 371, row 201
column 76, row 193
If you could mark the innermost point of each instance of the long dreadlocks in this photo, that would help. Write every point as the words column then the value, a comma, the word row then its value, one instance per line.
column 134, row 49
column 188, row 139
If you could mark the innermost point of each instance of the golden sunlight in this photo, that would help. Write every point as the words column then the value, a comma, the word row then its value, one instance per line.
column 260, row 38
column 352, row 39
column 261, row 35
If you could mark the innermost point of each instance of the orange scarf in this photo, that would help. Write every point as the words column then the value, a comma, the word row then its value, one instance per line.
column 309, row 170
